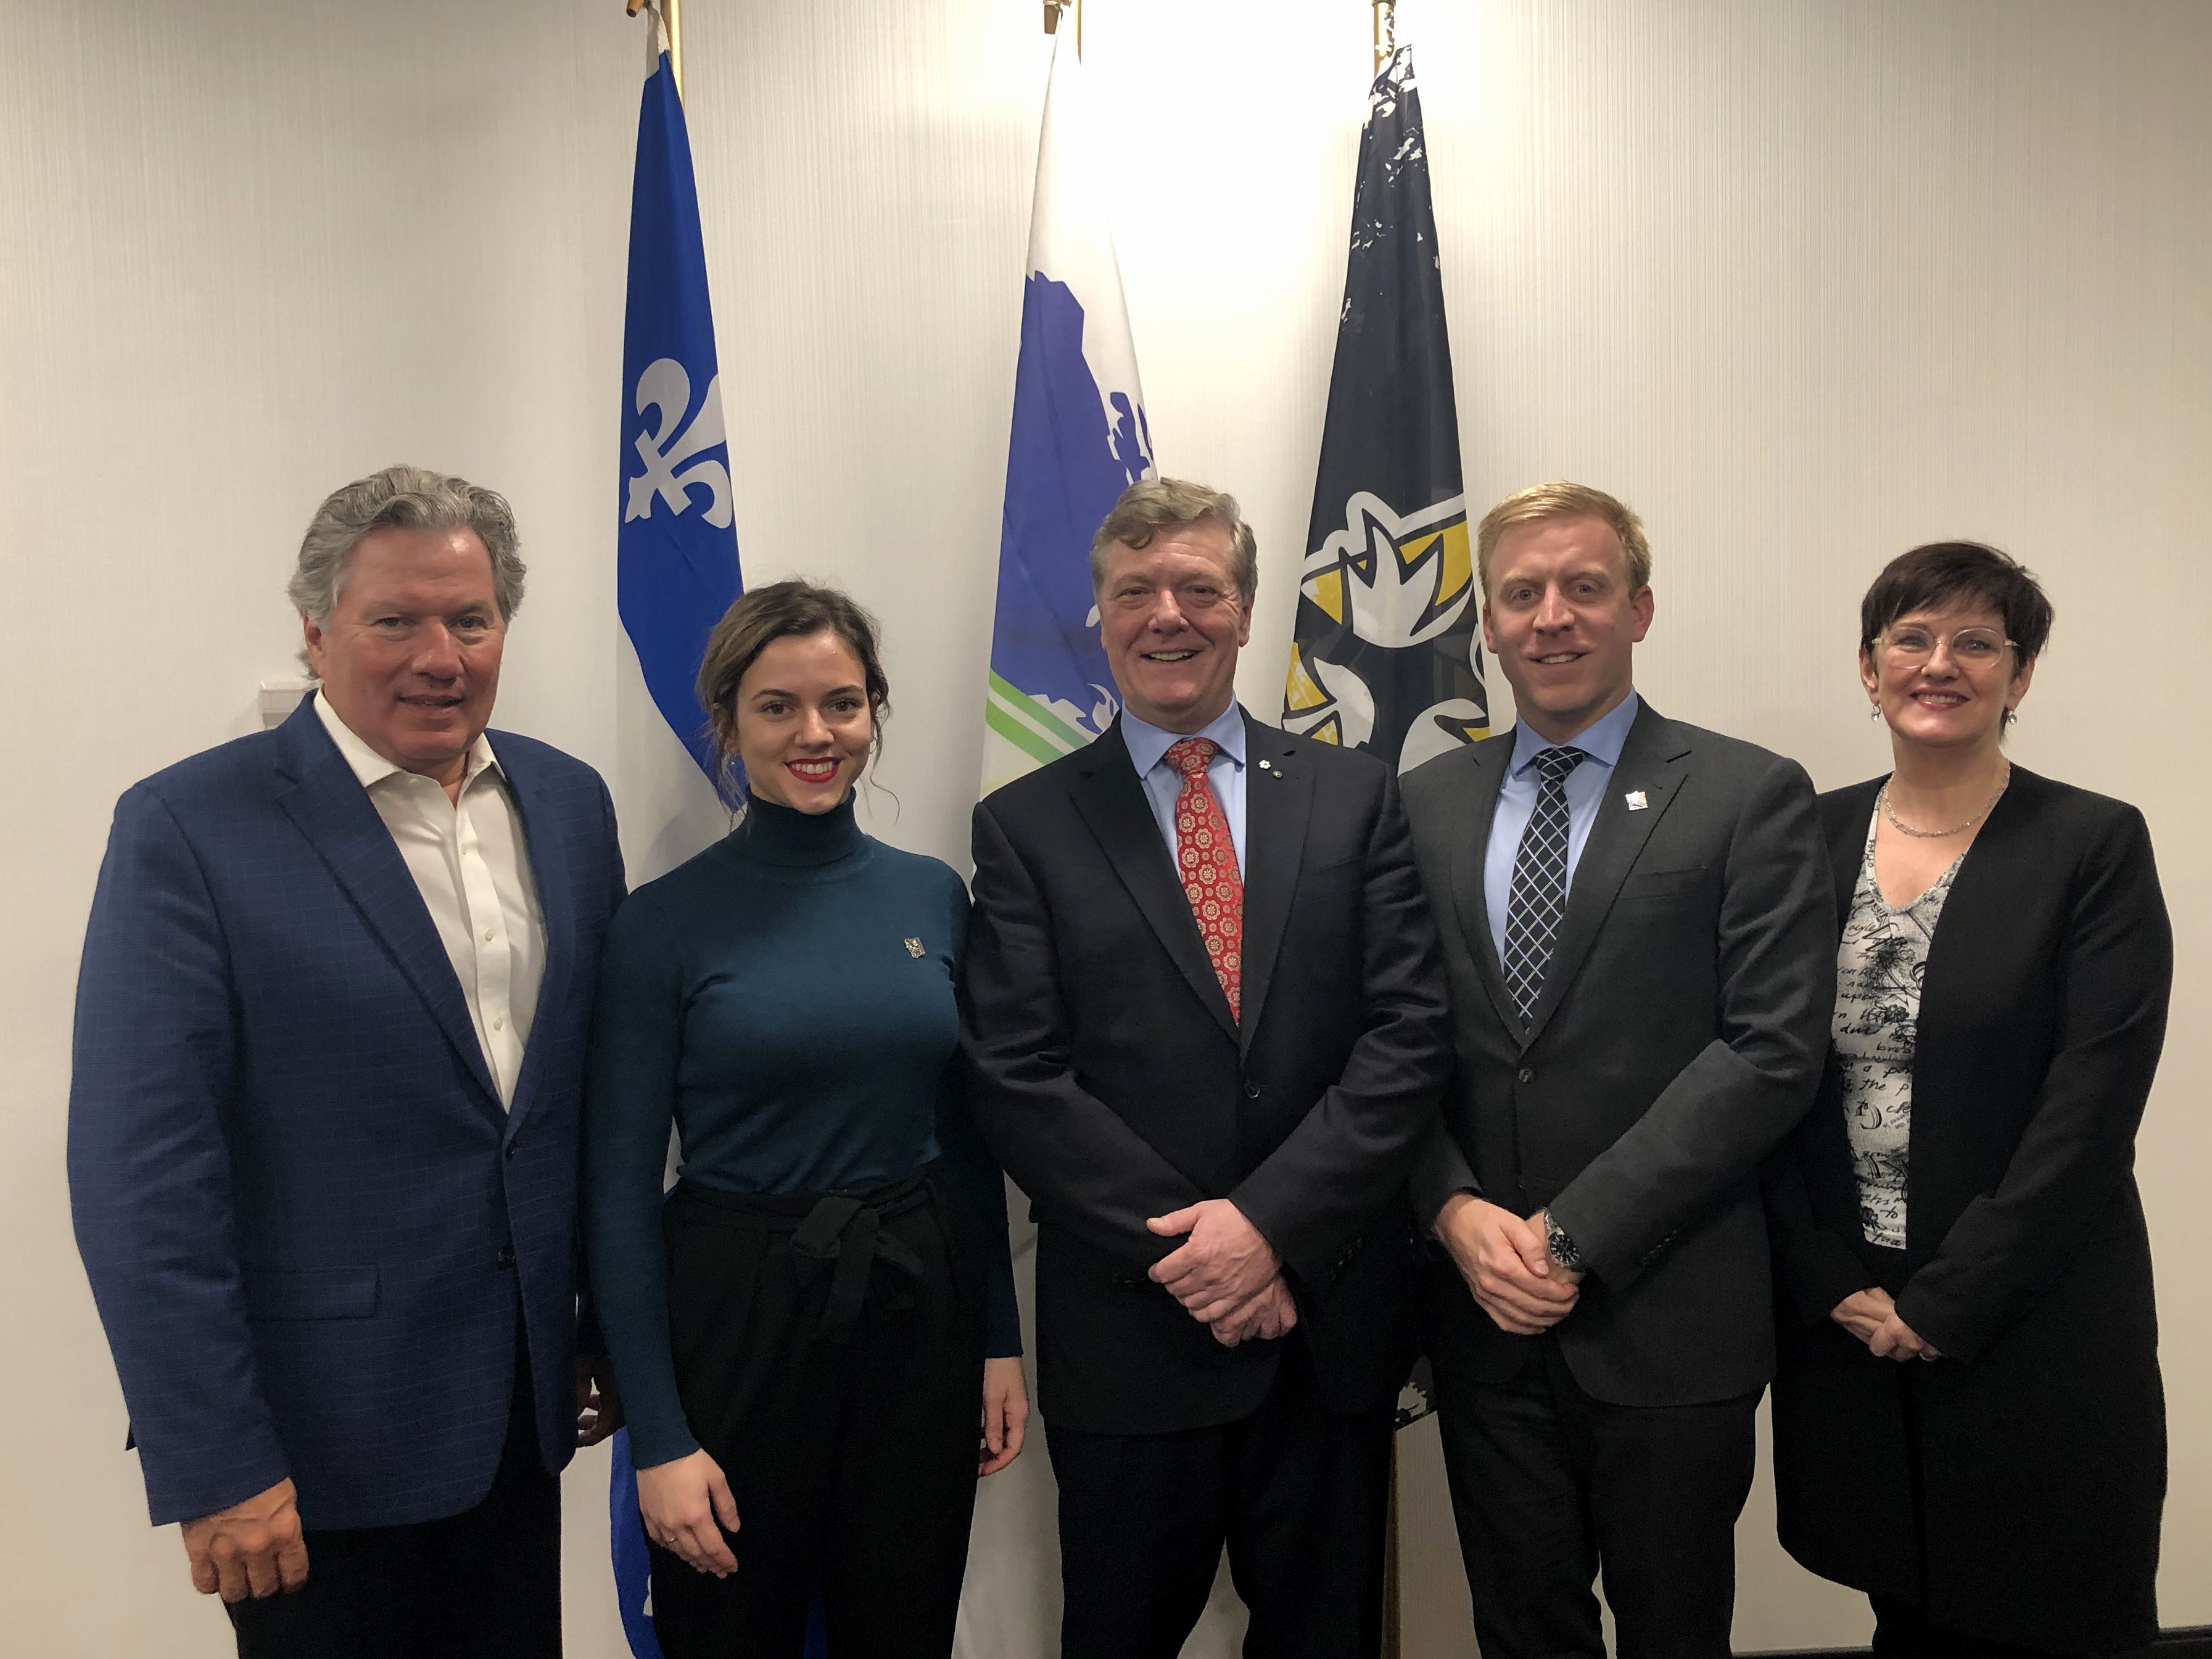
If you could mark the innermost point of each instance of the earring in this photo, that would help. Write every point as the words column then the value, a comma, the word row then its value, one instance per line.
column 2012, row 717
column 1874, row 711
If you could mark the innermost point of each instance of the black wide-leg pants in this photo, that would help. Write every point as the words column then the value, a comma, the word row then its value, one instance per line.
column 829, row 1353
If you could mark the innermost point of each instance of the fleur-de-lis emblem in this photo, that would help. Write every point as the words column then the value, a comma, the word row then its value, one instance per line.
column 667, row 388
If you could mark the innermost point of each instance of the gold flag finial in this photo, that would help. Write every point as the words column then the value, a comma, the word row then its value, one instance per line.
column 1386, row 31
column 667, row 16
column 1053, row 10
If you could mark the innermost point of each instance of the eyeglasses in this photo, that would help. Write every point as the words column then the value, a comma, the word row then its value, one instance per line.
column 1970, row 648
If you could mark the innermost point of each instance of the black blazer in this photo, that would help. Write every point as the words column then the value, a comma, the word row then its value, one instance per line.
column 1679, row 1038
column 1114, row 1084
column 2040, row 1437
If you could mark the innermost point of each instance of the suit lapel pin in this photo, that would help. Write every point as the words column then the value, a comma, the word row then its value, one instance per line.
column 914, row 947
column 1264, row 767
column 1636, row 800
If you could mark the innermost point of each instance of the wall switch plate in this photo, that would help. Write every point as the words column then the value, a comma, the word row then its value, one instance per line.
column 280, row 698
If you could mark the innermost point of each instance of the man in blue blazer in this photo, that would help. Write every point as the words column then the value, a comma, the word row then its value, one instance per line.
column 324, row 1119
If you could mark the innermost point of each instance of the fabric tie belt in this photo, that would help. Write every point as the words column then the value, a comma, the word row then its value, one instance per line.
column 839, row 1233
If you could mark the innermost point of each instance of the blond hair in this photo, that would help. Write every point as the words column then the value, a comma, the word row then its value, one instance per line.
column 1565, row 501
column 1151, row 505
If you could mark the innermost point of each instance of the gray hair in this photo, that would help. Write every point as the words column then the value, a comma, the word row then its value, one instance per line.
column 405, row 498
column 1151, row 505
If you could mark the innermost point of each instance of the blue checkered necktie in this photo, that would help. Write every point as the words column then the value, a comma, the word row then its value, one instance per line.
column 1539, row 883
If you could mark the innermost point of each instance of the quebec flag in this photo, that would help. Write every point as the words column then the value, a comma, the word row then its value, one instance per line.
column 676, row 572
column 1080, row 440
column 676, row 569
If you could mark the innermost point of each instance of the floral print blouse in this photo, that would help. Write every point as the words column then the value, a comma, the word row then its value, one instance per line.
column 1878, row 971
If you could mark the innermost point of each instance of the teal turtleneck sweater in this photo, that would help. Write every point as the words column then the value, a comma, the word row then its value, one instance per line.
column 786, row 1001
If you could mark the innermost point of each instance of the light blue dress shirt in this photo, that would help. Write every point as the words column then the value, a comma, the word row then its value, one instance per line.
column 1148, row 749
column 1516, row 802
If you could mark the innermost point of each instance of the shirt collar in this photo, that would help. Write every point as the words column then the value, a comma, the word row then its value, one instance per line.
column 372, row 768
column 1148, row 745
column 1602, row 742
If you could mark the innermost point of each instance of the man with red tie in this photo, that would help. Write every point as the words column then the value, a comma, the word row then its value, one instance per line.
column 1206, row 1005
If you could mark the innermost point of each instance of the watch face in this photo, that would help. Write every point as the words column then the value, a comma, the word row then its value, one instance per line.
column 1561, row 1246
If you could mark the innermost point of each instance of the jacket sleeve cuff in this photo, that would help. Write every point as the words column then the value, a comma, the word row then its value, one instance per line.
column 1442, row 1170
column 1949, row 1336
column 1818, row 1271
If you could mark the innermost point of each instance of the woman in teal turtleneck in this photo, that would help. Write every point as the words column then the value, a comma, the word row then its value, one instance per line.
column 800, row 1333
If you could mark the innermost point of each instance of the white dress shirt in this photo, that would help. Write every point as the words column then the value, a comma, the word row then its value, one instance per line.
column 472, row 867
column 1148, row 748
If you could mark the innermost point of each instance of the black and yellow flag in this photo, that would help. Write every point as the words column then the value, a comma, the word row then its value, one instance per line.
column 1386, row 655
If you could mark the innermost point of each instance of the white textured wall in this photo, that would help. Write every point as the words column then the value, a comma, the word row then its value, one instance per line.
column 1805, row 282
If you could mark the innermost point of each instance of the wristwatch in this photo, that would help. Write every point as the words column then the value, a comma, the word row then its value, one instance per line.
column 1561, row 1246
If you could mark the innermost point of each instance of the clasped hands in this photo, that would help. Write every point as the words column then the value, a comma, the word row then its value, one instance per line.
column 1226, row 1273
column 1507, row 1264
column 1871, row 1316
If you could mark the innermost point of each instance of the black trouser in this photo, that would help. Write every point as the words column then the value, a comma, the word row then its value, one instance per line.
column 482, row 1584
column 1902, row 1629
column 1550, row 1485
column 830, row 1356
column 1300, row 1496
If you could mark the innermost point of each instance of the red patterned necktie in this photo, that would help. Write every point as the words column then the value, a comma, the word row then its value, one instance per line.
column 1205, row 859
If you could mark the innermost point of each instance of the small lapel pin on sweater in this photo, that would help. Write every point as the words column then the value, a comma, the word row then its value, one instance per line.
column 914, row 947
column 1636, row 801
column 1264, row 767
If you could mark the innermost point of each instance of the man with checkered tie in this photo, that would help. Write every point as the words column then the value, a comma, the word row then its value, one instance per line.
column 1640, row 945
column 1206, row 1009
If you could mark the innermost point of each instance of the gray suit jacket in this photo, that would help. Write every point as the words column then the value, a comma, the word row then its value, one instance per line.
column 1680, row 1036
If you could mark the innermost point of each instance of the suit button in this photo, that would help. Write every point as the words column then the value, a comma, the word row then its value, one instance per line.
column 1528, row 1074
column 505, row 1258
column 1251, row 1091
column 510, row 1149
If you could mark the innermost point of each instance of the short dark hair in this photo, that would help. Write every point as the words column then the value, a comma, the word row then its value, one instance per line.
column 1959, row 573
column 781, row 610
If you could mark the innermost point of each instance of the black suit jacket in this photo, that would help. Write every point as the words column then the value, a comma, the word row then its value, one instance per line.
column 1678, row 1039
column 2040, row 1441
column 1116, row 1085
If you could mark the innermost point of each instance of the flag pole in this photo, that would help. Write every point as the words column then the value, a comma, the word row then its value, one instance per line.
column 1394, row 1601
column 670, row 19
column 1052, row 8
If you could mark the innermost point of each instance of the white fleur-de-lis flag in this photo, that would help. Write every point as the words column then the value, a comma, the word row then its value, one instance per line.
column 1385, row 655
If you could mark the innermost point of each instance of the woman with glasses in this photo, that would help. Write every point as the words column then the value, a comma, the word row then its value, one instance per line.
column 1968, row 1421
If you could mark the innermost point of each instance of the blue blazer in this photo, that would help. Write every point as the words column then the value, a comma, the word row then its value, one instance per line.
column 308, row 1223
